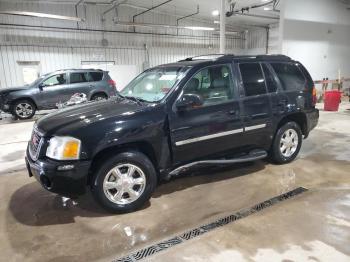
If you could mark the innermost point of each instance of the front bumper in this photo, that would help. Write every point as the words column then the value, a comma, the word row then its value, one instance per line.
column 69, row 183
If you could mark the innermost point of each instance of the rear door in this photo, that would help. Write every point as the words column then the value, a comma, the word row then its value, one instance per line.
column 292, row 95
column 215, row 126
column 256, row 105
column 79, row 83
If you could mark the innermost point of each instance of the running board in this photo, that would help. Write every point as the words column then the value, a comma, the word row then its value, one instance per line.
column 251, row 156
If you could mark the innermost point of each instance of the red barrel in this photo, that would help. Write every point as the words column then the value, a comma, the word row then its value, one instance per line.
column 332, row 100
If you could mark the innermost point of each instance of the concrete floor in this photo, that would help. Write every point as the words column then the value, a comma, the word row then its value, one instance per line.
column 36, row 225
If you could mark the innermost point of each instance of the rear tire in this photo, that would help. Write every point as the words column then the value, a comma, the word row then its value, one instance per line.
column 23, row 109
column 99, row 97
column 287, row 143
column 124, row 182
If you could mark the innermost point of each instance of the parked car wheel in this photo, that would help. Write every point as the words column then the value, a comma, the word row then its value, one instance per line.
column 23, row 109
column 99, row 97
column 123, row 183
column 287, row 143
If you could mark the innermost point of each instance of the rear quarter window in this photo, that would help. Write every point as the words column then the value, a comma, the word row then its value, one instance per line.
column 290, row 76
column 95, row 76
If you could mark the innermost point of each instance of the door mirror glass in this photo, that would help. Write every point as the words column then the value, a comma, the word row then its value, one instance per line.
column 188, row 101
column 41, row 86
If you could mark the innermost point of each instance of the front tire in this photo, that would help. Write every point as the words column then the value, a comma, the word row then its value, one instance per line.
column 23, row 109
column 124, row 182
column 287, row 143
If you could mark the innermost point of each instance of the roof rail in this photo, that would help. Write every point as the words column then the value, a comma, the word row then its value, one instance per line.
column 204, row 57
column 274, row 57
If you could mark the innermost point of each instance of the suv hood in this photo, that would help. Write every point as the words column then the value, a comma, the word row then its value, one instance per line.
column 12, row 89
column 69, row 120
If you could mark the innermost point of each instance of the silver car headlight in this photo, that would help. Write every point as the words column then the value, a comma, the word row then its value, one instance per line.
column 63, row 148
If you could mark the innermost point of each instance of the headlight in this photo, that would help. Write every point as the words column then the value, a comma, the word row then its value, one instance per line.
column 63, row 148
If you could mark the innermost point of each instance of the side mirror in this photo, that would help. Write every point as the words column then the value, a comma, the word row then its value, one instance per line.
column 189, row 101
column 41, row 86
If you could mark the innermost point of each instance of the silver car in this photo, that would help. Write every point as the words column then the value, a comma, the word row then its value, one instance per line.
column 56, row 88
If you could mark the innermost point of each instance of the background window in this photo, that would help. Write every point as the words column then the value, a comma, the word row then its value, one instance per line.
column 95, row 76
column 212, row 84
column 290, row 76
column 270, row 80
column 77, row 78
column 59, row 79
column 253, row 79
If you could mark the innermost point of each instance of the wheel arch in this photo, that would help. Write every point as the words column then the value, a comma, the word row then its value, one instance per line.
column 24, row 98
column 92, row 94
column 299, row 118
column 140, row 146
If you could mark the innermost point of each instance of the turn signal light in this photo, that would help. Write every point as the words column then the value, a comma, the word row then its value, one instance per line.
column 314, row 96
column 71, row 149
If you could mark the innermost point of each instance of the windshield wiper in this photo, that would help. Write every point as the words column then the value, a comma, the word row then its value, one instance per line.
column 136, row 99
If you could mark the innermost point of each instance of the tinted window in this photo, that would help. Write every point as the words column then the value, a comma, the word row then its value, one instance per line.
column 95, row 76
column 77, row 78
column 253, row 79
column 59, row 79
column 290, row 76
column 269, row 79
column 212, row 84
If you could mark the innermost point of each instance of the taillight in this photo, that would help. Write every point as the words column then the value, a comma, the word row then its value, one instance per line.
column 111, row 82
column 314, row 96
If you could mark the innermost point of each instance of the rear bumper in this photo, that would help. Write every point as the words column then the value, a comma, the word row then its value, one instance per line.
column 69, row 183
column 312, row 120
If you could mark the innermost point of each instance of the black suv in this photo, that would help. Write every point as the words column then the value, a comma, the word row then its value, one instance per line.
column 54, row 88
column 175, row 117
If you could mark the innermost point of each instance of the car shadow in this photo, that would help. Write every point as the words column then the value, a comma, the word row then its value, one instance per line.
column 32, row 205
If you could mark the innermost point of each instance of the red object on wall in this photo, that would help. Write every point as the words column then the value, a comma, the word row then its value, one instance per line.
column 332, row 100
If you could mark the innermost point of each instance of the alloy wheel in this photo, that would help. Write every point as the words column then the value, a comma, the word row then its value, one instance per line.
column 289, row 142
column 24, row 110
column 124, row 184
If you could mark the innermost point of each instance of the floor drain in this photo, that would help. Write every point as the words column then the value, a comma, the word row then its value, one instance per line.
column 148, row 251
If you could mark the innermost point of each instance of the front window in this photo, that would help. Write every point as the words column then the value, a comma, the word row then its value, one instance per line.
column 59, row 79
column 152, row 85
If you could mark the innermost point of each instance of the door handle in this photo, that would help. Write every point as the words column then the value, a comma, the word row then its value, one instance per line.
column 232, row 112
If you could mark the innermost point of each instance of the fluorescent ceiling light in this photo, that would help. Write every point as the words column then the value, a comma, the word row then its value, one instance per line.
column 199, row 28
column 42, row 15
column 215, row 13
column 267, row 8
column 195, row 28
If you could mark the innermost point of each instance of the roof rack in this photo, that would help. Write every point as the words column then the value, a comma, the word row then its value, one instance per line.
column 204, row 57
column 274, row 57
column 232, row 56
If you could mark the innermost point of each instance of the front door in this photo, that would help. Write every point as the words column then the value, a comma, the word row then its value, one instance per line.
column 54, row 90
column 213, row 127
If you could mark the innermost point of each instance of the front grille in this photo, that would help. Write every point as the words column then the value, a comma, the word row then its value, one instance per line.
column 35, row 144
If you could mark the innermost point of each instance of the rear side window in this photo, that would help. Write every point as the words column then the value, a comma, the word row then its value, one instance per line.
column 77, row 78
column 95, row 76
column 253, row 79
column 270, row 80
column 290, row 76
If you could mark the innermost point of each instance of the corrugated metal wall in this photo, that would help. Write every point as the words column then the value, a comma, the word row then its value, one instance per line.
column 73, row 43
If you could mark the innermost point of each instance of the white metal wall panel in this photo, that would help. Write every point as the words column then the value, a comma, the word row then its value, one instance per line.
column 57, row 49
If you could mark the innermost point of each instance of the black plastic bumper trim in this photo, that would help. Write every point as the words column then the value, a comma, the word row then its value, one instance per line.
column 187, row 235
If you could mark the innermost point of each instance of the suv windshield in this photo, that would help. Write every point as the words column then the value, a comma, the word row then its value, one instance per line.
column 153, row 84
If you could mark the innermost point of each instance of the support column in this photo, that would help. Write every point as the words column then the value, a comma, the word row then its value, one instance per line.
column 222, row 27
